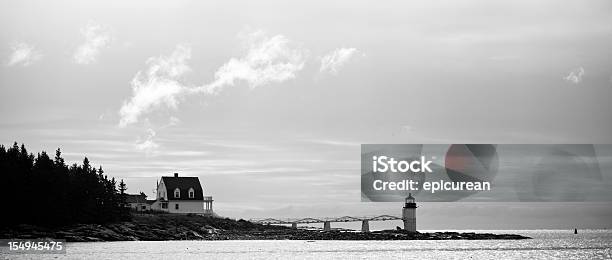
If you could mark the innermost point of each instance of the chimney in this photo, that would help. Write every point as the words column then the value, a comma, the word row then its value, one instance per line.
column 176, row 174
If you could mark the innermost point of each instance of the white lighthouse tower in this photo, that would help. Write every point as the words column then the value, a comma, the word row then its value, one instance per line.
column 409, row 214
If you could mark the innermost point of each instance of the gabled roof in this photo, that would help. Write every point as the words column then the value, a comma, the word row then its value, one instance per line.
column 135, row 198
column 184, row 184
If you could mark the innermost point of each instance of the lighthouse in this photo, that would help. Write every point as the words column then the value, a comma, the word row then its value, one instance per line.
column 409, row 214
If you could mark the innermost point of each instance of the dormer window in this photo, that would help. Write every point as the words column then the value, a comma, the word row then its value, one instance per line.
column 191, row 193
column 177, row 193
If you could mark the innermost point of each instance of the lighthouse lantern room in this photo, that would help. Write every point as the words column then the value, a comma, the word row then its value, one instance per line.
column 409, row 213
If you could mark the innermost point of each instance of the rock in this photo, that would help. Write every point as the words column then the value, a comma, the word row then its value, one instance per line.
column 155, row 227
column 75, row 239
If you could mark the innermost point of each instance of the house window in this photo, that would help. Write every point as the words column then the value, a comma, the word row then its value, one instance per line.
column 144, row 207
column 164, row 205
column 191, row 193
column 177, row 193
column 176, row 206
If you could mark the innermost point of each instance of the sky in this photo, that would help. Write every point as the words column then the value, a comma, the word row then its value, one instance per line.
column 268, row 102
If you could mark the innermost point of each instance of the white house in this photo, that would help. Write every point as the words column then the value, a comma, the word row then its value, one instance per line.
column 182, row 195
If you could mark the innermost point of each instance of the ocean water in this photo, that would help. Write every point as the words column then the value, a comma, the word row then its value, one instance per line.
column 546, row 244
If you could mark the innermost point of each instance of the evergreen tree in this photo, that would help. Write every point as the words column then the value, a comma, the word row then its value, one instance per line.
column 122, row 187
column 51, row 193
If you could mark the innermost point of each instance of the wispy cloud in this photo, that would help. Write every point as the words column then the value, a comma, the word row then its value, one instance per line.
column 97, row 37
column 266, row 60
column 334, row 142
column 575, row 76
column 159, row 85
column 336, row 59
column 148, row 145
column 174, row 121
column 23, row 54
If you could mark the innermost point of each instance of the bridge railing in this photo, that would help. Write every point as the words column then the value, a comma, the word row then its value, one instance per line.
column 308, row 220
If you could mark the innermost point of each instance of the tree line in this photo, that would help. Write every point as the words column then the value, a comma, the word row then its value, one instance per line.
column 45, row 191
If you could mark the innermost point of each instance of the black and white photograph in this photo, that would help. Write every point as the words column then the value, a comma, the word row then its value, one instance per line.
column 270, row 129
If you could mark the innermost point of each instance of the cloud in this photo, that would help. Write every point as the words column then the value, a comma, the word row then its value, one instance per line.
column 159, row 85
column 147, row 145
column 575, row 76
column 23, row 54
column 266, row 60
column 334, row 142
column 174, row 121
column 97, row 37
column 336, row 59
column 407, row 128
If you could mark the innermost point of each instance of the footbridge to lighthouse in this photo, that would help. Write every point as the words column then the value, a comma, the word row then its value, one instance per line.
column 408, row 217
column 365, row 221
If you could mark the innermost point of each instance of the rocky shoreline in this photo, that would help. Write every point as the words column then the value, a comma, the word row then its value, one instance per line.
column 375, row 235
column 161, row 227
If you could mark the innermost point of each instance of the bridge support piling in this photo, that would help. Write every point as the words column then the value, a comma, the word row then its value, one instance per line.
column 294, row 225
column 365, row 226
column 326, row 226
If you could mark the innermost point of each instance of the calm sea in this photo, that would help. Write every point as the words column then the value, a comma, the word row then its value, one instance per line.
column 560, row 244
